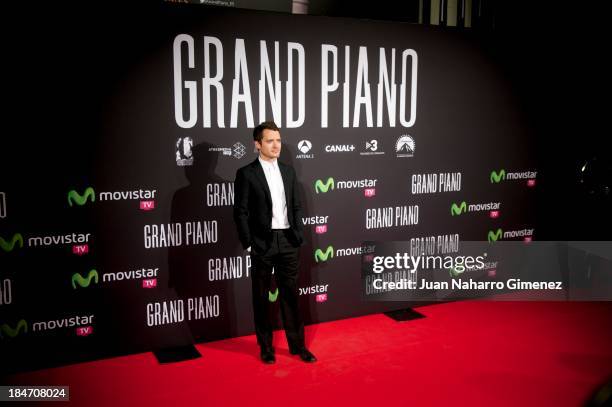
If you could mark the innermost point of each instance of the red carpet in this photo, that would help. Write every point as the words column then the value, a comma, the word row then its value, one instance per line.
column 464, row 353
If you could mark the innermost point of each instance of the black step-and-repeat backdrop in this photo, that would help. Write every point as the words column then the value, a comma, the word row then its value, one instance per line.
column 116, row 230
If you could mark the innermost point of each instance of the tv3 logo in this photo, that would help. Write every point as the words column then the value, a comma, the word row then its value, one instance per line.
column 2, row 205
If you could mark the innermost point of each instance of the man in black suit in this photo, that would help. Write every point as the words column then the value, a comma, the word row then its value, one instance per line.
column 268, row 214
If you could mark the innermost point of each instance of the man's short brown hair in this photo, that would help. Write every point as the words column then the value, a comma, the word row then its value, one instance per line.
column 258, row 131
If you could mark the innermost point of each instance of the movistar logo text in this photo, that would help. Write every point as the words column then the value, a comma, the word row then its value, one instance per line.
column 321, row 187
column 458, row 209
column 74, row 196
column 494, row 235
column 7, row 330
column 323, row 256
column 8, row 246
column 496, row 177
column 84, row 282
column 272, row 297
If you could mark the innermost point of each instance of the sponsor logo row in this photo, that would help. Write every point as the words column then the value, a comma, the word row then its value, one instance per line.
column 404, row 147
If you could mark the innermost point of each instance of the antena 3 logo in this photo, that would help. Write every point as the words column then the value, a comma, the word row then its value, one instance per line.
column 89, row 195
column 502, row 175
column 330, row 184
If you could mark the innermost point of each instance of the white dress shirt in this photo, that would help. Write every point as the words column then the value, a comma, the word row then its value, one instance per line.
column 277, row 191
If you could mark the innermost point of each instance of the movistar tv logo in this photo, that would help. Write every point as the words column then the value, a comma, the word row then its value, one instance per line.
column 74, row 196
column 493, row 236
column 84, row 281
column 321, row 187
column 7, row 330
column 323, row 256
column 9, row 245
column 272, row 296
column 458, row 209
column 496, row 177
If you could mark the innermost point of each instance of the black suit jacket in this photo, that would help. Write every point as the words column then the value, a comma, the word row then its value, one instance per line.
column 253, row 206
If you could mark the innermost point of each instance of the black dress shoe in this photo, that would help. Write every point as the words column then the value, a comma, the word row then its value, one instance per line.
column 267, row 356
column 304, row 354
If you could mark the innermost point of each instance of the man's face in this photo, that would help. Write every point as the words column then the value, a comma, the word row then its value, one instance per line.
column 270, row 145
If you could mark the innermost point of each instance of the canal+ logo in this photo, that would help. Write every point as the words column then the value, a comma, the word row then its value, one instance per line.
column 146, row 197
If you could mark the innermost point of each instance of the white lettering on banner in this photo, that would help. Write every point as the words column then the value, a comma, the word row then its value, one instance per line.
column 362, row 88
column 62, row 323
column 61, row 239
column 166, row 312
column 131, row 274
column 203, row 307
column 5, row 292
column 173, row 311
column 315, row 220
column 2, row 205
column 227, row 268
column 220, row 194
column 171, row 234
column 315, row 289
column 118, row 195
column 400, row 104
column 377, row 218
column 432, row 183
column 164, row 235
column 269, row 83
column 433, row 245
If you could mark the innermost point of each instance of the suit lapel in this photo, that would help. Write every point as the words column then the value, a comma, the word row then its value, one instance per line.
column 261, row 177
column 286, row 181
